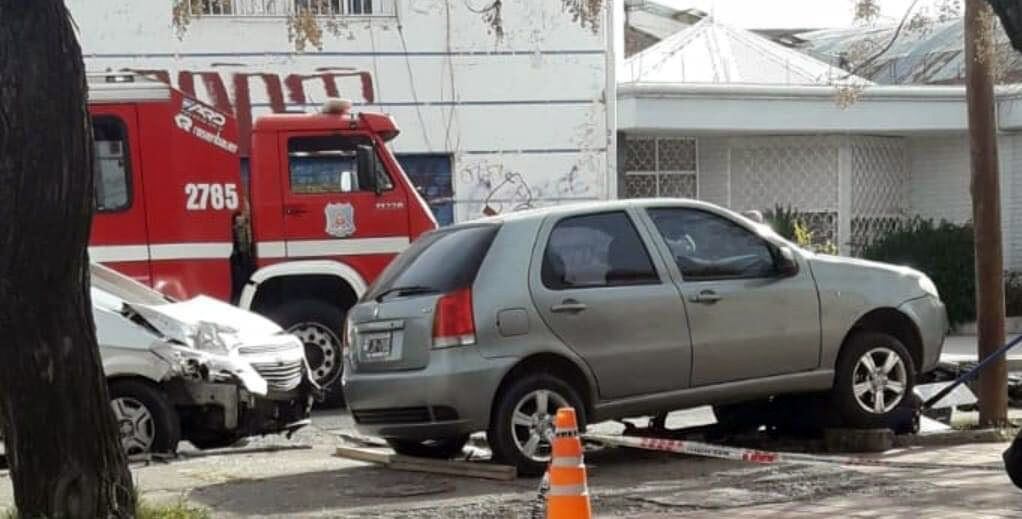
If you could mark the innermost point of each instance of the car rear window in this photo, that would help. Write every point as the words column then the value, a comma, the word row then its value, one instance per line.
column 440, row 262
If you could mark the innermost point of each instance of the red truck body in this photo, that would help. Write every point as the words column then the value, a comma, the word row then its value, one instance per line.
column 299, row 242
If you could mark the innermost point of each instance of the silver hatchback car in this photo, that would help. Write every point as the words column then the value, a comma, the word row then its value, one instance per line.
column 622, row 309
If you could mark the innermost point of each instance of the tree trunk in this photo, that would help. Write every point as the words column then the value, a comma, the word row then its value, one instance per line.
column 61, row 440
column 986, row 210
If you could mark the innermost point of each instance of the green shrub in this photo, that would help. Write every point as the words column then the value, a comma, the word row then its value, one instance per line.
column 782, row 220
column 793, row 225
column 942, row 251
column 1013, row 293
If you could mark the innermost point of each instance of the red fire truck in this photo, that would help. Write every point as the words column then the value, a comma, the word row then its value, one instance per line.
column 324, row 209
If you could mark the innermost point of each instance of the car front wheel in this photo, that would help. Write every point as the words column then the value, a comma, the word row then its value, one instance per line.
column 146, row 421
column 875, row 376
column 522, row 426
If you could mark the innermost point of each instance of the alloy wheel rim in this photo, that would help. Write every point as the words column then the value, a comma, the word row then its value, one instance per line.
column 135, row 425
column 532, row 423
column 321, row 350
column 879, row 381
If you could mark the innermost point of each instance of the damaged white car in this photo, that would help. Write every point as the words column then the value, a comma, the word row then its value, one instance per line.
column 199, row 370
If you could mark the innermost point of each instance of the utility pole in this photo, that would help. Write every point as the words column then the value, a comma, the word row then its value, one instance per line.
column 986, row 211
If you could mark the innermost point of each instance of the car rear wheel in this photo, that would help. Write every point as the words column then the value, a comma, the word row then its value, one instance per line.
column 444, row 448
column 146, row 422
column 874, row 378
column 522, row 425
column 318, row 325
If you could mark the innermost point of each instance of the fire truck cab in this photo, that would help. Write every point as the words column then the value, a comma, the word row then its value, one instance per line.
column 324, row 209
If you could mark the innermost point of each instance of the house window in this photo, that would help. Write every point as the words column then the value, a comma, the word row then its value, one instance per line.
column 289, row 7
column 660, row 167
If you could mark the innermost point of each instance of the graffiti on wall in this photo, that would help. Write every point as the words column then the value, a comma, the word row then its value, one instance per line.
column 492, row 188
column 506, row 182
column 293, row 89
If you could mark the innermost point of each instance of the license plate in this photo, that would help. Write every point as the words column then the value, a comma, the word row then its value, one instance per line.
column 376, row 346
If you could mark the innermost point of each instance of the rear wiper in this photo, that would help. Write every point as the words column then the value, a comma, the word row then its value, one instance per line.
column 405, row 291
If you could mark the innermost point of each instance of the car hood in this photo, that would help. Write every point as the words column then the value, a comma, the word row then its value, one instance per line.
column 876, row 275
column 181, row 321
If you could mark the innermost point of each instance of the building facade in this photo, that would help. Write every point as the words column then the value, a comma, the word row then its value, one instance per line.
column 502, row 105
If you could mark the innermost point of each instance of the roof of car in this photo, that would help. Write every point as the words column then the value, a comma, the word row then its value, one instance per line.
column 600, row 205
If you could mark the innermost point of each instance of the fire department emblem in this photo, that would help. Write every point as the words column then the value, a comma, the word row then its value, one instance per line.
column 340, row 220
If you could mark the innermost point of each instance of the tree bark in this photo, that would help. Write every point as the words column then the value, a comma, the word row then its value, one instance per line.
column 986, row 210
column 59, row 431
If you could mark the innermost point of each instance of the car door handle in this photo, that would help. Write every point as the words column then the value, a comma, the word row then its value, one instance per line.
column 569, row 306
column 295, row 209
column 706, row 297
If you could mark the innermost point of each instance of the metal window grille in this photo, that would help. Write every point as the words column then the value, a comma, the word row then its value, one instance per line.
column 660, row 167
column 879, row 187
column 356, row 8
column 796, row 172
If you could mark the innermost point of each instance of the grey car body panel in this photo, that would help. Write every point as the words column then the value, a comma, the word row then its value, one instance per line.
column 851, row 288
column 757, row 359
column 772, row 323
column 624, row 331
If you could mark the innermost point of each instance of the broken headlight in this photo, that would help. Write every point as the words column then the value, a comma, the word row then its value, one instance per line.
column 208, row 338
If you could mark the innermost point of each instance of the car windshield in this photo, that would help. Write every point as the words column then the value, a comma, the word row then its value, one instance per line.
column 122, row 286
column 438, row 262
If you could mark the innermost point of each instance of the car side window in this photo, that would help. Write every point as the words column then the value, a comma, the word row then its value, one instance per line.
column 328, row 164
column 708, row 246
column 111, row 164
column 599, row 250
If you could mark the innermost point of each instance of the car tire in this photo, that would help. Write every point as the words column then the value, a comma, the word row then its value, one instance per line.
column 318, row 325
column 444, row 448
column 504, row 436
column 858, row 381
column 154, row 424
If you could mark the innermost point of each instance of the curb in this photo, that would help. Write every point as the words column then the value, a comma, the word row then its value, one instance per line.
column 957, row 437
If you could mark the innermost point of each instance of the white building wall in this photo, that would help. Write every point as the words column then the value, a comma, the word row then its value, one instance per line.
column 524, row 119
column 939, row 178
column 714, row 169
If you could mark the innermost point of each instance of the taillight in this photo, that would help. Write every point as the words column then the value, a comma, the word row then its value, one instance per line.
column 453, row 322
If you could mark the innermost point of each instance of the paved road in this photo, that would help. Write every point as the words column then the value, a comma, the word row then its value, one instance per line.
column 302, row 479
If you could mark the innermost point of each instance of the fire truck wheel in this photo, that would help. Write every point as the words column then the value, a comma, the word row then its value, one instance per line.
column 318, row 325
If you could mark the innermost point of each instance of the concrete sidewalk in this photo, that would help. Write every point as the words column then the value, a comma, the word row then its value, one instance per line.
column 963, row 348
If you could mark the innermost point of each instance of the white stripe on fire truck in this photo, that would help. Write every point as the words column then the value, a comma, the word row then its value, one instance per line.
column 180, row 251
column 271, row 249
column 345, row 247
column 113, row 253
column 163, row 251
column 268, row 249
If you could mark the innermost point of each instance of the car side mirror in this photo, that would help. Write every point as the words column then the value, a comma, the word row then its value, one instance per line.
column 787, row 265
column 346, row 181
column 366, row 156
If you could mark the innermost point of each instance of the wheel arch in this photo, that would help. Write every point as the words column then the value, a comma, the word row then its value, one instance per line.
column 333, row 282
column 558, row 365
column 894, row 322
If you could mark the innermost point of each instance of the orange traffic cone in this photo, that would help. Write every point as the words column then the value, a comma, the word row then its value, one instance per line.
column 568, row 497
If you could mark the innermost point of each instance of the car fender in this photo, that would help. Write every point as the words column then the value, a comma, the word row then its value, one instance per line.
column 337, row 269
column 130, row 362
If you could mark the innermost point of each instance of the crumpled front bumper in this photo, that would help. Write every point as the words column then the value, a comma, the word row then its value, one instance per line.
column 231, row 408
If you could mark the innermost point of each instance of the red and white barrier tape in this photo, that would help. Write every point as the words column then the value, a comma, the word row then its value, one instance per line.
column 765, row 457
